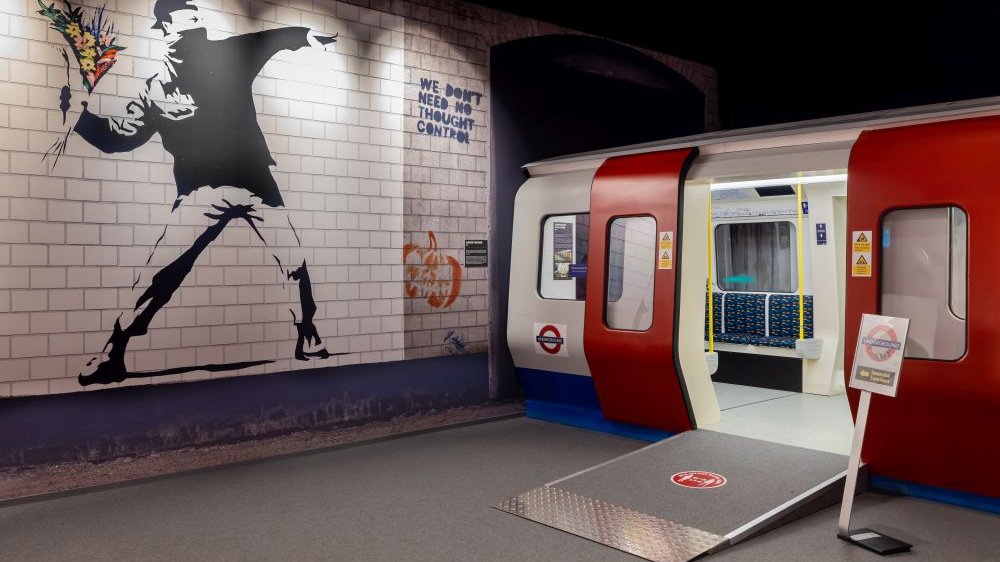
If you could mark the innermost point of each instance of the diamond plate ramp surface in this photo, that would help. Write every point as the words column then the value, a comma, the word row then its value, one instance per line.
column 760, row 476
column 631, row 503
column 611, row 525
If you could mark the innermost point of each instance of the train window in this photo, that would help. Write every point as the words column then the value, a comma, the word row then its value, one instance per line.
column 923, row 270
column 631, row 265
column 756, row 257
column 616, row 261
column 563, row 272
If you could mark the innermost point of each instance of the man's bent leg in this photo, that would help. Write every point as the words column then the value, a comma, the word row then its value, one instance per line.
column 307, row 332
column 160, row 291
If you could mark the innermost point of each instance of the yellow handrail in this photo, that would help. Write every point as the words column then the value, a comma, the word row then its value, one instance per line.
column 802, row 310
column 711, row 308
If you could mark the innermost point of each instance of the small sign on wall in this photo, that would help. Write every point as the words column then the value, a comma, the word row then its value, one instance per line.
column 821, row 234
column 665, row 251
column 475, row 253
column 861, row 253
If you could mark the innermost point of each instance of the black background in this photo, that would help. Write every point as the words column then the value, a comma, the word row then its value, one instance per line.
column 781, row 63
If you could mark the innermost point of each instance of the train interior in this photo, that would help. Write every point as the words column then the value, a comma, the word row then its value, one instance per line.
column 771, row 253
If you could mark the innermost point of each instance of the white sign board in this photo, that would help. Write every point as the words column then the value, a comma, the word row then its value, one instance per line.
column 879, row 354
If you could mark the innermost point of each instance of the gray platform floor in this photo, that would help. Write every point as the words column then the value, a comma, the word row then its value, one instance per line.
column 424, row 497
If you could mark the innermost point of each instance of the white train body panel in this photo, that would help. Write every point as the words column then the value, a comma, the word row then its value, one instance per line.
column 538, row 198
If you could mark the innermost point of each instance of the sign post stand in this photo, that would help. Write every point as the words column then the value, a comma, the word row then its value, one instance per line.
column 877, row 362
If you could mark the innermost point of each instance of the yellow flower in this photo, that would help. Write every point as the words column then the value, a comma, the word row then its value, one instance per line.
column 73, row 30
column 88, row 53
column 88, row 39
column 87, row 64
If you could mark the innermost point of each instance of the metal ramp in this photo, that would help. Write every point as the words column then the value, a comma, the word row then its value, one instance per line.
column 633, row 503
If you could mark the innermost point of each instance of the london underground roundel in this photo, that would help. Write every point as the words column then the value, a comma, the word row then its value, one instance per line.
column 881, row 343
column 550, row 339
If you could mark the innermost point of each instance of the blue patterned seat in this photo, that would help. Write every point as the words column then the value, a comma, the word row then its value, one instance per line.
column 783, row 319
column 744, row 319
column 717, row 314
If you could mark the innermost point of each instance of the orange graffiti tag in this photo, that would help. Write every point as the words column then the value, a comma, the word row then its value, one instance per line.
column 428, row 276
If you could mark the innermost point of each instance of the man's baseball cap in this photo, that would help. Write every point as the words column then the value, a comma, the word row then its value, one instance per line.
column 164, row 8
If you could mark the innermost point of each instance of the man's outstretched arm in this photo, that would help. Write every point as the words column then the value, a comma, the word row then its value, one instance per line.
column 259, row 47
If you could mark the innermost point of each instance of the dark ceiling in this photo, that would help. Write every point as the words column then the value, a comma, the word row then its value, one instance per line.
column 810, row 59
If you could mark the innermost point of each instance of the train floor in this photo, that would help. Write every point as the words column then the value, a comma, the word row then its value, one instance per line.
column 415, row 498
column 822, row 423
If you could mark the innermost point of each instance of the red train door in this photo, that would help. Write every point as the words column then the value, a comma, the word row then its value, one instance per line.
column 927, row 192
column 629, row 322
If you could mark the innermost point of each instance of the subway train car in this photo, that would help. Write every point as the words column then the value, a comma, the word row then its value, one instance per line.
column 795, row 230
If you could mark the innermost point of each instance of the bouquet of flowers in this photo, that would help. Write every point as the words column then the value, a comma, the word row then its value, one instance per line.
column 93, row 41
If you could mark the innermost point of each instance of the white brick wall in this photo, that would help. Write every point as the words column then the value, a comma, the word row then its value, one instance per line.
column 75, row 238
column 358, row 179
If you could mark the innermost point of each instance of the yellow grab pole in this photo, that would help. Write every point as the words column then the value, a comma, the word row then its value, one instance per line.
column 802, row 310
column 711, row 308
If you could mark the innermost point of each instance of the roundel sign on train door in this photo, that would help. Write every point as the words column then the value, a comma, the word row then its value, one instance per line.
column 550, row 339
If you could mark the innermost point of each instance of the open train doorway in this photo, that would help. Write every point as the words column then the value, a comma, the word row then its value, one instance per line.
column 768, row 242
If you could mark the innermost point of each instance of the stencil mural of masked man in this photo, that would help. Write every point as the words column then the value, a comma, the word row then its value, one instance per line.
column 203, row 110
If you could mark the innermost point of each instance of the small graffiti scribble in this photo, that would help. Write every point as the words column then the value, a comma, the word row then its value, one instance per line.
column 430, row 274
column 455, row 344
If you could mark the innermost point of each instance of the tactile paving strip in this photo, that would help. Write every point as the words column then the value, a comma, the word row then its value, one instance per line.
column 637, row 533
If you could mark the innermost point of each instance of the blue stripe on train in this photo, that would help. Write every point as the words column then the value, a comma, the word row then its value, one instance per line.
column 942, row 495
column 572, row 400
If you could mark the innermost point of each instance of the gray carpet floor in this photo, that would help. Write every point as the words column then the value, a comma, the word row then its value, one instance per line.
column 424, row 497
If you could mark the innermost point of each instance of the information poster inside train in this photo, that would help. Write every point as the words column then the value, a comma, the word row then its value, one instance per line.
column 562, row 249
column 879, row 354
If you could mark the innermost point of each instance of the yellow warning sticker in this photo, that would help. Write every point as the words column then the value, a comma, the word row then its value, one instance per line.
column 862, row 266
column 666, row 260
column 862, row 241
column 666, row 240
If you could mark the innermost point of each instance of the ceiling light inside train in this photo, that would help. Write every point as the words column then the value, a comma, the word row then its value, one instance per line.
column 829, row 178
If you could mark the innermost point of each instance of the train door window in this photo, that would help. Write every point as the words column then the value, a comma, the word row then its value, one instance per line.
column 565, row 243
column 923, row 271
column 631, row 265
column 756, row 257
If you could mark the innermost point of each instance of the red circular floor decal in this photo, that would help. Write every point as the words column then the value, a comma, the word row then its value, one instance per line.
column 698, row 479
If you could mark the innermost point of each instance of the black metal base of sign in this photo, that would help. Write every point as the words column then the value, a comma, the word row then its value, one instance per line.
column 875, row 541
